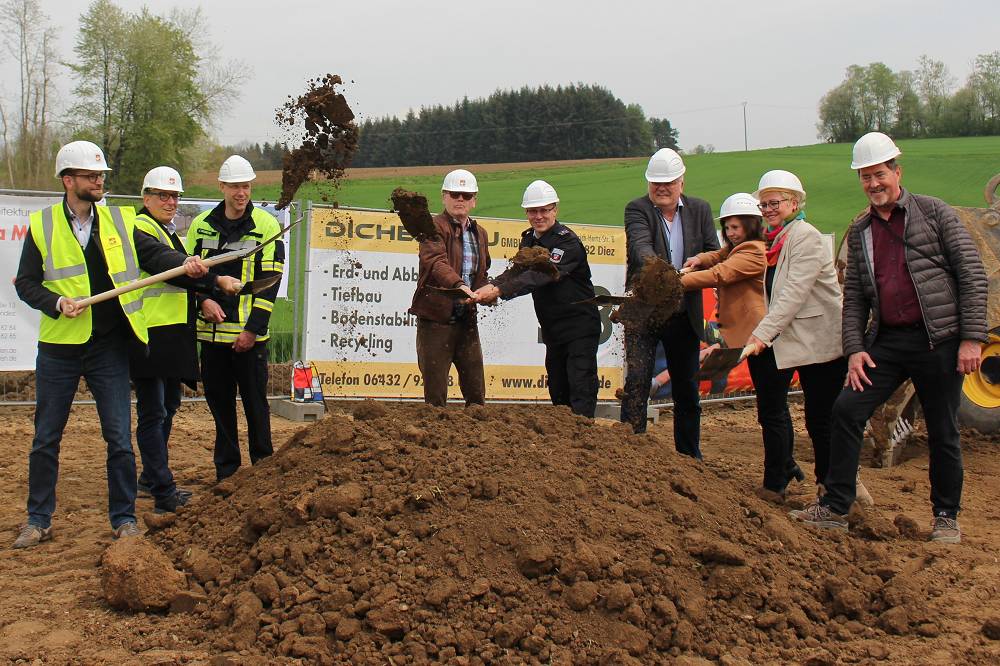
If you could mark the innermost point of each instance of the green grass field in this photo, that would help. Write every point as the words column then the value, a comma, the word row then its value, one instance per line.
column 955, row 170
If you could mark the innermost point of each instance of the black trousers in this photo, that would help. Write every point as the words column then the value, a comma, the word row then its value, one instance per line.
column 900, row 354
column 821, row 384
column 572, row 371
column 222, row 372
column 157, row 399
column 680, row 344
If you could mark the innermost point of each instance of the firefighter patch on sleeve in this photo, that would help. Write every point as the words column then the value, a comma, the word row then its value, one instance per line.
column 556, row 255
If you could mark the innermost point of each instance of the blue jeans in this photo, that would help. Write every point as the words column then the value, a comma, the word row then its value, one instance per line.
column 104, row 364
column 156, row 402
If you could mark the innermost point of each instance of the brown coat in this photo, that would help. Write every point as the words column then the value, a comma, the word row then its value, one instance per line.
column 441, row 265
column 739, row 275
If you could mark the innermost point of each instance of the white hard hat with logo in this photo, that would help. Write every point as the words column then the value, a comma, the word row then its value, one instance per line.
column 740, row 203
column 665, row 166
column 873, row 148
column 460, row 180
column 163, row 178
column 781, row 180
column 81, row 155
column 539, row 193
column 236, row 169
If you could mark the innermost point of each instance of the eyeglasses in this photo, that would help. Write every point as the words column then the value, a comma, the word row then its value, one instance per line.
column 544, row 210
column 164, row 197
column 468, row 196
column 773, row 203
column 92, row 177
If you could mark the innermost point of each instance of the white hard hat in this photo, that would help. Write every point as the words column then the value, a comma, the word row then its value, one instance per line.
column 781, row 180
column 539, row 193
column 460, row 180
column 163, row 178
column 873, row 148
column 740, row 203
column 665, row 166
column 81, row 155
column 236, row 169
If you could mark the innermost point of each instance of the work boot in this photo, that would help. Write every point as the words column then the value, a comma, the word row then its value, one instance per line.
column 32, row 535
column 769, row 495
column 818, row 515
column 945, row 530
column 170, row 504
column 861, row 494
column 125, row 530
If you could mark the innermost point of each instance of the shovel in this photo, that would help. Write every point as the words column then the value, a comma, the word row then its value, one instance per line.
column 252, row 287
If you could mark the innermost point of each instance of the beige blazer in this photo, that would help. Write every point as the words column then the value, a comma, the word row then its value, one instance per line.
column 802, row 323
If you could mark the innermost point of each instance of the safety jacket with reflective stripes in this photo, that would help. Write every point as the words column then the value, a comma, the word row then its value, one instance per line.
column 65, row 269
column 163, row 304
column 210, row 234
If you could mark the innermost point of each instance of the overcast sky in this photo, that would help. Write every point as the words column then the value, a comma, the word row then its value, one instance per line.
column 694, row 63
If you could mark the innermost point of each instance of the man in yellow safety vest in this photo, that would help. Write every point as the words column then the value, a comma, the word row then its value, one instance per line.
column 234, row 330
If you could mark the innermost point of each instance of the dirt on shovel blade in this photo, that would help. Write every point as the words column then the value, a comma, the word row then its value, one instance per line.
column 331, row 137
column 413, row 213
column 534, row 259
column 658, row 294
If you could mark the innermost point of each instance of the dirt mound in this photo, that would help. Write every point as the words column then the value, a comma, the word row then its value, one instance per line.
column 331, row 137
column 529, row 534
column 413, row 213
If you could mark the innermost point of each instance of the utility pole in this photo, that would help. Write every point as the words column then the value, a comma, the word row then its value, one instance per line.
column 746, row 144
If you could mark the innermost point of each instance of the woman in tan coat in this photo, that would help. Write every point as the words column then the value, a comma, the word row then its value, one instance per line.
column 737, row 270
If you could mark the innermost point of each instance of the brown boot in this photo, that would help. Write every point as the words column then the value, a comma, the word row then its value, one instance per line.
column 769, row 495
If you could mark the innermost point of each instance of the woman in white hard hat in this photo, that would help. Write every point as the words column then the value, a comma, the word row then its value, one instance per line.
column 800, row 332
column 737, row 270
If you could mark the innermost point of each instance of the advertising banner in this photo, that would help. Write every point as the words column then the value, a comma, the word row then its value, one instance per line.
column 18, row 322
column 362, row 275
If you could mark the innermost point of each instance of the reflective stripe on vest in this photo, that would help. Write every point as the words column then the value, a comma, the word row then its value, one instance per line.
column 163, row 304
column 57, row 244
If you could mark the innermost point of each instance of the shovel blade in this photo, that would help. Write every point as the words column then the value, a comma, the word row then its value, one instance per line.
column 257, row 286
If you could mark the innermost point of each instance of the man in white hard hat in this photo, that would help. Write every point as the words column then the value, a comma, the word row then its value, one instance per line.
column 447, row 331
column 570, row 329
column 914, row 308
column 76, row 249
column 233, row 330
column 172, row 358
column 667, row 223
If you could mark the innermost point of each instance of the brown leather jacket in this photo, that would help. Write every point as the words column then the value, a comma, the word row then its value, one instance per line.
column 441, row 265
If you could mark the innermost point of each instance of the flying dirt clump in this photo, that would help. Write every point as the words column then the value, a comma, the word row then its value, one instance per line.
column 658, row 293
column 331, row 137
column 534, row 259
column 413, row 213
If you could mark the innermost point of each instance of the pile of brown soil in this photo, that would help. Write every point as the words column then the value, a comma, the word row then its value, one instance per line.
column 526, row 534
column 331, row 137
column 413, row 213
column 535, row 258
column 658, row 294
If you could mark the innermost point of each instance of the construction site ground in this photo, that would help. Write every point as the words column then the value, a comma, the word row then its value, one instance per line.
column 53, row 610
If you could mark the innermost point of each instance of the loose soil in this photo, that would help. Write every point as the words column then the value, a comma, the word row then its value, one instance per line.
column 331, row 137
column 535, row 258
column 658, row 294
column 400, row 533
column 414, row 213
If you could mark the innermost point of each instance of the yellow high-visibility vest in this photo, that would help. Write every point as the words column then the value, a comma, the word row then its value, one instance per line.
column 162, row 304
column 265, row 226
column 65, row 269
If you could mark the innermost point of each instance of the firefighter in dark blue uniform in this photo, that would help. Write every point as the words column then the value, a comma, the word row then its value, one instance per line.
column 570, row 329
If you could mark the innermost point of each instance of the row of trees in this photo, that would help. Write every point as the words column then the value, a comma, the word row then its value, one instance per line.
column 908, row 104
column 262, row 157
column 545, row 123
column 144, row 91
